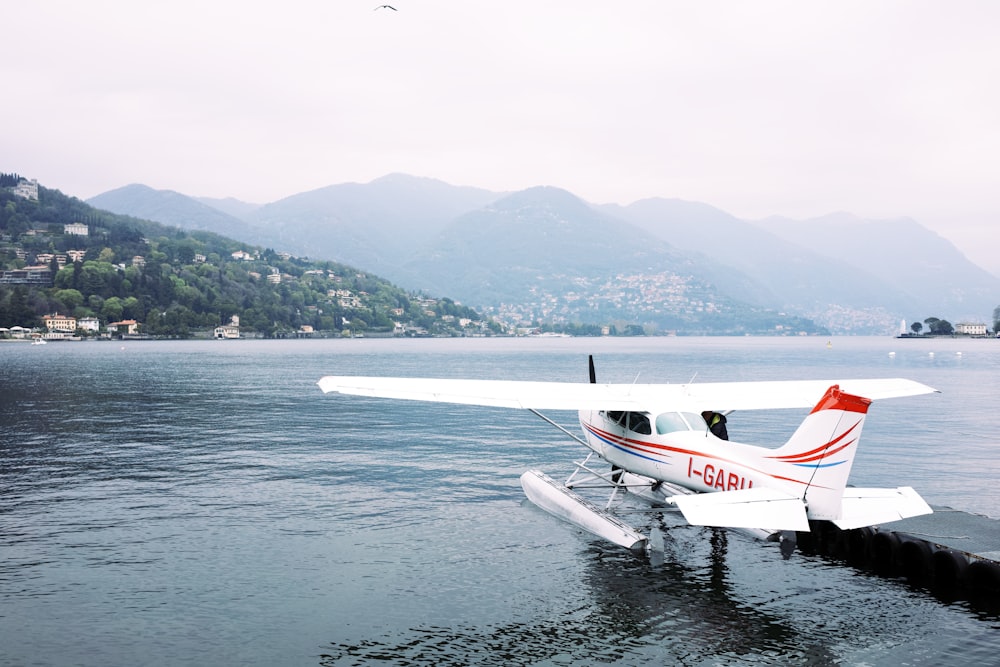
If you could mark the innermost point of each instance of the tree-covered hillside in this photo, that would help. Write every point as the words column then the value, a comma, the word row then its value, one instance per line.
column 175, row 282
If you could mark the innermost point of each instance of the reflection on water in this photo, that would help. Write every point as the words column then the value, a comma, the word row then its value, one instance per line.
column 204, row 503
column 693, row 609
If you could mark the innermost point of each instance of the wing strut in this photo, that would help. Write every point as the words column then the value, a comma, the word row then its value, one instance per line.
column 558, row 426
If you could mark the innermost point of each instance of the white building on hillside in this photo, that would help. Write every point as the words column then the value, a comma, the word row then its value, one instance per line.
column 57, row 322
column 89, row 324
column 970, row 329
column 228, row 331
column 27, row 189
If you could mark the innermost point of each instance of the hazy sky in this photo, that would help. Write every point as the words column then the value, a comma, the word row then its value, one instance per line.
column 882, row 108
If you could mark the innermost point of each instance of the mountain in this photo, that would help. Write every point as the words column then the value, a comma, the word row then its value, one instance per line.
column 540, row 235
column 169, row 208
column 375, row 225
column 230, row 206
column 544, row 254
column 904, row 256
column 495, row 250
column 541, row 255
column 762, row 267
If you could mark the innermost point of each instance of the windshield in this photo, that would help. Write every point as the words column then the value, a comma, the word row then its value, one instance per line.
column 671, row 422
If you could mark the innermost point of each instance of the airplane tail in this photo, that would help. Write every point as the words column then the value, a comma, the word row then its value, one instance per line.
column 812, row 467
column 818, row 457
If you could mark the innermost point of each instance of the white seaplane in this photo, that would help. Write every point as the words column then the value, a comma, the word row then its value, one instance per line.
column 660, row 448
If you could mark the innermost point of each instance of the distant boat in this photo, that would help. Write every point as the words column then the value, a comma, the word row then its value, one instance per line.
column 39, row 341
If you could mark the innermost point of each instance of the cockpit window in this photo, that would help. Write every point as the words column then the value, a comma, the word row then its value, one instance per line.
column 617, row 416
column 671, row 422
column 639, row 423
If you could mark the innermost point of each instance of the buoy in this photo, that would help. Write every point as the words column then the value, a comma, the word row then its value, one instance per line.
column 949, row 568
column 885, row 545
column 858, row 541
column 827, row 536
column 915, row 561
column 983, row 577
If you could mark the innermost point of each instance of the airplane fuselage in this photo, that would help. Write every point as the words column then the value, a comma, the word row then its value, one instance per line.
column 691, row 456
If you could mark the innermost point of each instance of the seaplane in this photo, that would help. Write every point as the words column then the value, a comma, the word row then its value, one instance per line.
column 654, row 442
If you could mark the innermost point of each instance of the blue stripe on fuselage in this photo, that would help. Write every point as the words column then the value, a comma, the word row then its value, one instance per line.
column 625, row 449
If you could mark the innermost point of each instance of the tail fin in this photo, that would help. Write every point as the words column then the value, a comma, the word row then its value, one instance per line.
column 817, row 458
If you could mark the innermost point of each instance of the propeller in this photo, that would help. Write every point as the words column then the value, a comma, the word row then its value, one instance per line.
column 616, row 472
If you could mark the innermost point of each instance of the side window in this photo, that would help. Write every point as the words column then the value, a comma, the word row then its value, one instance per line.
column 617, row 416
column 639, row 423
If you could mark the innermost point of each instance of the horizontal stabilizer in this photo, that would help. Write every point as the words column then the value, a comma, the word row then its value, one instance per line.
column 870, row 507
column 744, row 508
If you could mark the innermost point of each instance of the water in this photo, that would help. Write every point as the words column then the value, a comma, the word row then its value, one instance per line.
column 204, row 503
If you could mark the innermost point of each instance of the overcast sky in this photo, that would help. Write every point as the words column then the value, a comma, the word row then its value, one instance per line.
column 884, row 109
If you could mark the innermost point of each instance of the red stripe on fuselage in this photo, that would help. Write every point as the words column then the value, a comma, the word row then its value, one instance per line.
column 656, row 448
column 642, row 444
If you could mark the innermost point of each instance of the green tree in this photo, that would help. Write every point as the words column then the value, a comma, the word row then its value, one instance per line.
column 96, row 278
column 916, row 327
column 112, row 309
column 70, row 298
column 186, row 250
column 132, row 309
column 18, row 310
column 939, row 327
column 64, row 279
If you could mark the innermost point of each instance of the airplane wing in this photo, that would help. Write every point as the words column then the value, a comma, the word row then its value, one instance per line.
column 496, row 393
column 719, row 396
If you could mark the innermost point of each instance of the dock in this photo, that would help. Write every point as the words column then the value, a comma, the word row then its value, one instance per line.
column 954, row 553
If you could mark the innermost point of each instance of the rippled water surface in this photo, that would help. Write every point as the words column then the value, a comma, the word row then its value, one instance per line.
column 204, row 503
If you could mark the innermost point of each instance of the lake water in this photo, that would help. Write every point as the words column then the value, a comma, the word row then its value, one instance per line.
column 203, row 503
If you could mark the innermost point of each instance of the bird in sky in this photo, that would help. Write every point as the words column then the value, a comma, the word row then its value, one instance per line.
column 387, row 7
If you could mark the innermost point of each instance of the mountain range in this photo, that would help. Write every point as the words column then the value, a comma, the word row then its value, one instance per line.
column 545, row 255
